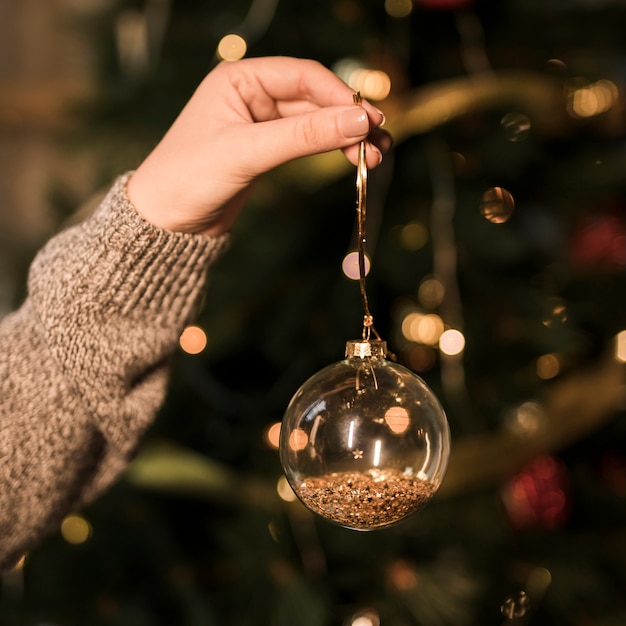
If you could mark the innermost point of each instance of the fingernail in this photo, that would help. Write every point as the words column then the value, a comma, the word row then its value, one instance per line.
column 383, row 116
column 354, row 123
column 378, row 155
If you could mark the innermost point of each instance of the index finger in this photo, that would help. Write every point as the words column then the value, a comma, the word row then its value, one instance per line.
column 284, row 86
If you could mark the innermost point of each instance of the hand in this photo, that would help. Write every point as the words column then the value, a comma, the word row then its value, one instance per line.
column 244, row 119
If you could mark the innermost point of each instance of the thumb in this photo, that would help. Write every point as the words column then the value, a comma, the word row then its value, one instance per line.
column 278, row 141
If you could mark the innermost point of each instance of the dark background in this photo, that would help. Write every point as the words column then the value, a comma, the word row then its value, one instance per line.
column 528, row 527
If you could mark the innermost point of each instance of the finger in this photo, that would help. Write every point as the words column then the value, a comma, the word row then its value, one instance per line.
column 284, row 86
column 378, row 143
column 269, row 144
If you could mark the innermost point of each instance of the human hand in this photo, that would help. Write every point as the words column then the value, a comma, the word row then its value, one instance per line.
column 246, row 118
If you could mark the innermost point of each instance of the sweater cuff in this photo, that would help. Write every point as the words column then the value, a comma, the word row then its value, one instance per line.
column 120, row 263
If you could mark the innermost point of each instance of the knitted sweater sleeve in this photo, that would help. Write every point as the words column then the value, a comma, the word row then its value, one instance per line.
column 83, row 362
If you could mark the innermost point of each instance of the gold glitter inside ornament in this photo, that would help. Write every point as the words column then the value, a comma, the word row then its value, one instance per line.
column 364, row 442
column 377, row 440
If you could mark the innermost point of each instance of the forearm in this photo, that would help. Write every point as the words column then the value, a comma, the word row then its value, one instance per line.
column 83, row 362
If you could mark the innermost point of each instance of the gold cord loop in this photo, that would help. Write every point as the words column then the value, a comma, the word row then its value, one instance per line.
column 361, row 208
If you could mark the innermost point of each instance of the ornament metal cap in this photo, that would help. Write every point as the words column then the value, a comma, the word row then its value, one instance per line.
column 362, row 349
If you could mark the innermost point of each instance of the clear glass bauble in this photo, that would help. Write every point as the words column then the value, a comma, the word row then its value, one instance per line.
column 364, row 442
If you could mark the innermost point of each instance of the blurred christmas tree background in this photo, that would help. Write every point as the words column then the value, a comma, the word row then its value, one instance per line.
column 500, row 213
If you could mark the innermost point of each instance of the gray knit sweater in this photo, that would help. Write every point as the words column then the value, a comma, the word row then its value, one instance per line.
column 83, row 362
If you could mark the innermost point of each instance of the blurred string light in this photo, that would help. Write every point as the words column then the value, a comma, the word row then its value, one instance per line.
column 526, row 419
column 350, row 265
column 548, row 366
column 397, row 418
column 413, row 236
column 588, row 100
column 234, row 45
column 516, row 126
column 402, row 575
column 431, row 292
column 452, row 342
column 497, row 205
column 539, row 580
column 370, row 83
column 423, row 328
column 272, row 435
column 284, row 490
column 555, row 312
column 398, row 8
column 75, row 529
column 367, row 617
column 515, row 606
column 298, row 439
column 193, row 340
column 620, row 346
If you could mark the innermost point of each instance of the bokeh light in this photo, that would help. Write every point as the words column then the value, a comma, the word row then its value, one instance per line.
column 298, row 439
column 426, row 329
column 368, row 617
column 539, row 579
column 452, row 342
column 397, row 418
column 555, row 312
column 75, row 529
column 516, row 126
column 284, row 490
column 193, row 340
column 232, row 47
column 592, row 99
column 344, row 68
column 516, row 605
column 350, row 265
column 431, row 292
column 413, row 236
column 497, row 205
column 272, row 435
column 402, row 575
column 526, row 419
column 620, row 346
column 398, row 8
column 371, row 84
column 548, row 366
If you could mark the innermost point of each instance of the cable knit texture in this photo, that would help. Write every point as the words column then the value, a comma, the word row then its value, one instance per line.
column 83, row 362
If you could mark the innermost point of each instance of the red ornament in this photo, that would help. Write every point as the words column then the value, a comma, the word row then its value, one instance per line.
column 599, row 243
column 538, row 497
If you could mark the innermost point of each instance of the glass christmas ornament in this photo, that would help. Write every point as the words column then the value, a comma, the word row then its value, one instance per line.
column 365, row 442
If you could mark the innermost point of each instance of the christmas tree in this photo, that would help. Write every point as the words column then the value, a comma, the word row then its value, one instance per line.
column 497, row 242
